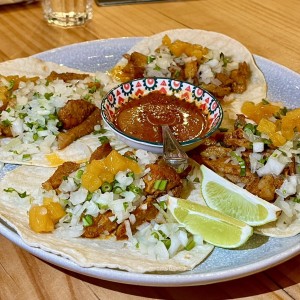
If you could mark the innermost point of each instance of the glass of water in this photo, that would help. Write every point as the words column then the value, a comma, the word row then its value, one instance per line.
column 67, row 12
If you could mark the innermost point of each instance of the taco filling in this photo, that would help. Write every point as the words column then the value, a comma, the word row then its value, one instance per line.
column 117, row 196
column 43, row 116
column 261, row 156
column 211, row 70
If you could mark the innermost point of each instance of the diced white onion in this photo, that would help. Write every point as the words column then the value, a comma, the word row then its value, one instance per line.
column 78, row 196
column 273, row 166
column 258, row 147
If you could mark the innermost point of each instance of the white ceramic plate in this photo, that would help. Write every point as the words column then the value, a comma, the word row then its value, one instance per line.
column 258, row 254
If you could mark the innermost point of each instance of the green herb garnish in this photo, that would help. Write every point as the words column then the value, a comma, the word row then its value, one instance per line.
column 87, row 220
column 21, row 195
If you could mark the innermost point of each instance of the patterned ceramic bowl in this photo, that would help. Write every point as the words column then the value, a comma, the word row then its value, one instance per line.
column 184, row 91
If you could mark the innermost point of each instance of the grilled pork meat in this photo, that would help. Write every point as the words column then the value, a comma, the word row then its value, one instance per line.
column 86, row 127
column 75, row 112
column 162, row 171
column 68, row 76
column 144, row 213
column 135, row 66
column 101, row 152
column 101, row 225
column 58, row 176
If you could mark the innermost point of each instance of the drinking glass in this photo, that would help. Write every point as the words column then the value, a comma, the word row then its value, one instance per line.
column 67, row 12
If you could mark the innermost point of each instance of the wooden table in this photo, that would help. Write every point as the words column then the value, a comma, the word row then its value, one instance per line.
column 269, row 28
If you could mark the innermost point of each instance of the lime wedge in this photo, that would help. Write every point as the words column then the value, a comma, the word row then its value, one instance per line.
column 228, row 198
column 215, row 228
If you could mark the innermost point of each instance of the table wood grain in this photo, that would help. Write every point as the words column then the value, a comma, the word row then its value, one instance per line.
column 269, row 28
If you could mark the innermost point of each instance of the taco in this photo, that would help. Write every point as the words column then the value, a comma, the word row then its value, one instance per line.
column 216, row 62
column 48, row 112
column 108, row 213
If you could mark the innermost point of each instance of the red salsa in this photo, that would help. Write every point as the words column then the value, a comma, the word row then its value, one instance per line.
column 143, row 117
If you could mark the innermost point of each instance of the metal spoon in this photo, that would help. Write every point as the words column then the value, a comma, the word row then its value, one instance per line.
column 173, row 153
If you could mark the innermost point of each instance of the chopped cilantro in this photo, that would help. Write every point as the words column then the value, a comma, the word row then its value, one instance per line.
column 36, row 94
column 89, row 196
column 250, row 128
column 223, row 129
column 125, row 205
column 21, row 195
column 87, row 220
column 6, row 123
column 11, row 85
column 167, row 243
column 48, row 95
column 162, row 234
column 155, row 234
column 26, row 157
column 265, row 102
column 190, row 245
column 176, row 74
column 35, row 136
column 150, row 59
column 225, row 59
column 103, row 139
column 157, row 68
column 22, row 115
column 93, row 89
column 100, row 131
column 52, row 117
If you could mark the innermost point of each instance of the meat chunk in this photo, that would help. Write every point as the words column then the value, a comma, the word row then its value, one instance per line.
column 101, row 225
column 265, row 187
column 144, row 213
column 4, row 97
column 5, row 130
column 75, row 112
column 135, row 66
column 219, row 91
column 68, row 76
column 221, row 166
column 240, row 77
column 58, row 176
column 215, row 151
column 240, row 121
column 235, row 82
column 236, row 139
column 86, row 127
column 101, row 152
column 162, row 171
column 225, row 79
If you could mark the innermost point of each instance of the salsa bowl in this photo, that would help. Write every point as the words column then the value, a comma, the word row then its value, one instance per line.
column 136, row 110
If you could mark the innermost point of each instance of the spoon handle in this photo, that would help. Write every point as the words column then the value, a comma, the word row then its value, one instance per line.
column 173, row 153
